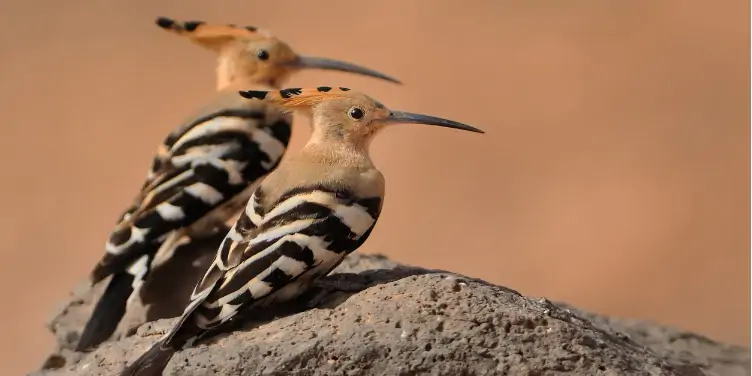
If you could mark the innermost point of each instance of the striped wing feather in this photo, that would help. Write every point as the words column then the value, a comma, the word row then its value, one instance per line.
column 198, row 177
column 274, row 255
column 205, row 165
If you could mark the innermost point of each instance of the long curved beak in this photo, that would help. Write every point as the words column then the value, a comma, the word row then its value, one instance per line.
column 331, row 64
column 409, row 117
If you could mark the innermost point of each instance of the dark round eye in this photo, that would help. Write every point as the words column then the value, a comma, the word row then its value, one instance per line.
column 262, row 55
column 356, row 113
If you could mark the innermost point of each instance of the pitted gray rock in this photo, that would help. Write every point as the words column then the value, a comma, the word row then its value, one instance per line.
column 408, row 321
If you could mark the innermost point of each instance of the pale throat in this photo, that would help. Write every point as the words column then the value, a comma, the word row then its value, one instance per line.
column 332, row 147
column 232, row 76
column 340, row 136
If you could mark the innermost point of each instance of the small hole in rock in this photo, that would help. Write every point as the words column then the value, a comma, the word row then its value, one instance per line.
column 427, row 347
column 54, row 362
column 507, row 327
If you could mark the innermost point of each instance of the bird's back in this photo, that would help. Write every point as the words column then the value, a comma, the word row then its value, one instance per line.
column 204, row 171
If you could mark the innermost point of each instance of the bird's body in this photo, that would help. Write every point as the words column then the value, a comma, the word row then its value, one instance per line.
column 318, row 206
column 296, row 228
column 206, row 169
column 202, row 176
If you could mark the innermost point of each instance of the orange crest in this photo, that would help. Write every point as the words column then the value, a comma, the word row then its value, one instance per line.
column 297, row 97
column 209, row 35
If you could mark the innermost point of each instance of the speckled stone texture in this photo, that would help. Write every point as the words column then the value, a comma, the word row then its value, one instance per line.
column 404, row 321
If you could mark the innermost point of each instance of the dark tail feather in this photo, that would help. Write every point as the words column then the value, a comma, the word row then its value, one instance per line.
column 150, row 363
column 108, row 312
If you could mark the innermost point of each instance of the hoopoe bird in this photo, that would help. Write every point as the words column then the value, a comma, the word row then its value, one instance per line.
column 204, row 172
column 318, row 206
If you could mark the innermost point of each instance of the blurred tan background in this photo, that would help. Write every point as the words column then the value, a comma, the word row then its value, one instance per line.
column 614, row 174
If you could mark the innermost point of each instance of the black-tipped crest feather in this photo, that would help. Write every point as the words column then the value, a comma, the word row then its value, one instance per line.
column 254, row 94
column 165, row 23
column 192, row 25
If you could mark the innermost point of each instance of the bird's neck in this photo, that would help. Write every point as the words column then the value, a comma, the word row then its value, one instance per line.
column 232, row 76
column 317, row 165
column 337, row 153
column 243, row 83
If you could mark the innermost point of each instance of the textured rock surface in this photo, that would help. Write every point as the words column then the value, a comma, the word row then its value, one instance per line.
column 405, row 321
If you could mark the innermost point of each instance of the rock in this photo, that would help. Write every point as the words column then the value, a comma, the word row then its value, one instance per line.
column 404, row 321
column 678, row 345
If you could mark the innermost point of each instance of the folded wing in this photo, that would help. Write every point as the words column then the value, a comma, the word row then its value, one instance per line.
column 197, row 177
column 274, row 255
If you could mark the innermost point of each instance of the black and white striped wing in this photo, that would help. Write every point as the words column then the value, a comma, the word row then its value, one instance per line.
column 208, row 163
column 274, row 256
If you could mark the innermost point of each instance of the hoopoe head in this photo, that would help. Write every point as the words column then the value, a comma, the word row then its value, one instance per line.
column 343, row 115
column 247, row 54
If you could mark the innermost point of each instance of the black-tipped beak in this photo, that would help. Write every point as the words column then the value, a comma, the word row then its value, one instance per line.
column 308, row 62
column 409, row 117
